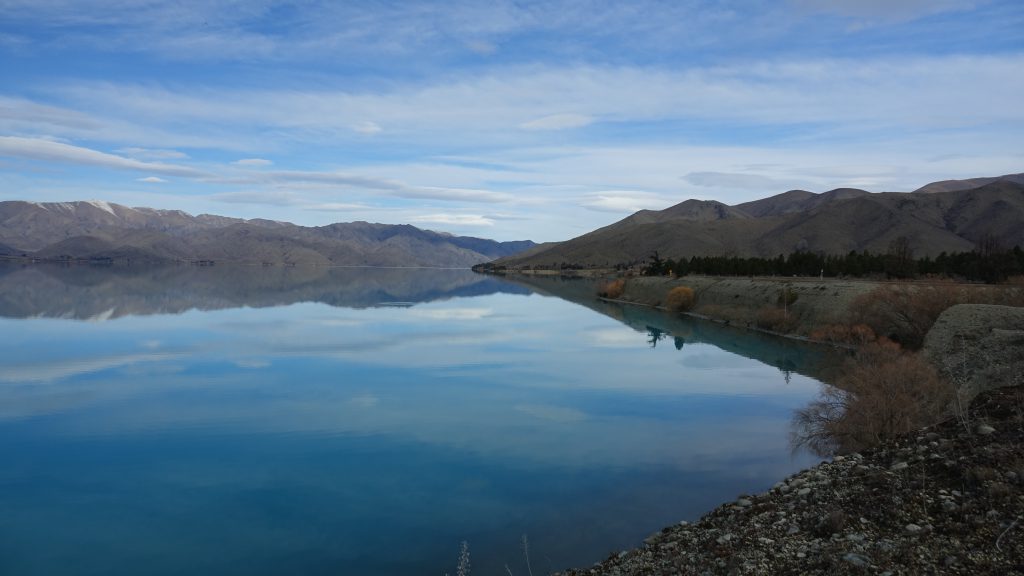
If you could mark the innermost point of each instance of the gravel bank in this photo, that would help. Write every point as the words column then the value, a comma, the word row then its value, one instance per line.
column 946, row 500
column 978, row 346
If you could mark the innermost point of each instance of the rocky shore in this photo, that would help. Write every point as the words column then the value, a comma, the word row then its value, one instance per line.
column 948, row 499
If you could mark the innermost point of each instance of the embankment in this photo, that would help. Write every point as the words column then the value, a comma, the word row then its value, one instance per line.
column 803, row 303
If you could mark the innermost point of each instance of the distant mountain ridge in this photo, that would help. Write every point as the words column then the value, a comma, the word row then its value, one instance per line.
column 949, row 216
column 97, row 230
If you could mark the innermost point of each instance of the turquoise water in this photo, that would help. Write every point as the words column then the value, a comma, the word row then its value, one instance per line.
column 267, row 421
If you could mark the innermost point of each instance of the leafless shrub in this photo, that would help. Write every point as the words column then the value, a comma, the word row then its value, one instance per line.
column 904, row 313
column 883, row 391
column 858, row 334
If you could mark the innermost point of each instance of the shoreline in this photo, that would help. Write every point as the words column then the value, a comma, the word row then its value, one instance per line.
column 945, row 499
column 949, row 492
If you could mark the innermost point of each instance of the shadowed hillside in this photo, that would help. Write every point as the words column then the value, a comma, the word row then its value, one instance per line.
column 834, row 222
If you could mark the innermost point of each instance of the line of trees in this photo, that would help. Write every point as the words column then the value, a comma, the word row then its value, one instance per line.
column 989, row 265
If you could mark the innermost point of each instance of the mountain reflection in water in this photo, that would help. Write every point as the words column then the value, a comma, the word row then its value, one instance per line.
column 365, row 421
column 102, row 292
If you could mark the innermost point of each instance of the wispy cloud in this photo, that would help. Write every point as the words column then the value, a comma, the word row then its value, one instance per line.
column 253, row 162
column 152, row 180
column 383, row 185
column 367, row 127
column 152, row 154
column 453, row 110
column 818, row 96
column 557, row 122
column 48, row 150
column 624, row 201
column 735, row 180
column 454, row 219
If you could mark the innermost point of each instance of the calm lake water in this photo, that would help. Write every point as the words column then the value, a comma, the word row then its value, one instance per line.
column 217, row 421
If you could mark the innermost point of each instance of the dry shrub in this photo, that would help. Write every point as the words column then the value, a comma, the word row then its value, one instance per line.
column 905, row 312
column 776, row 320
column 883, row 391
column 725, row 313
column 680, row 299
column 613, row 289
column 858, row 334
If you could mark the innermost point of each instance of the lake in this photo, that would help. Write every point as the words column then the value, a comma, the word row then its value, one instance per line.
column 222, row 421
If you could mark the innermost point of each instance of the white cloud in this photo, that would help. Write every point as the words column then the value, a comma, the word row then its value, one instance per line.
column 375, row 184
column 253, row 162
column 339, row 207
column 557, row 122
column 367, row 127
column 265, row 197
column 510, row 105
column 151, row 153
column 454, row 219
column 152, row 180
column 47, row 150
column 16, row 113
column 624, row 201
column 735, row 180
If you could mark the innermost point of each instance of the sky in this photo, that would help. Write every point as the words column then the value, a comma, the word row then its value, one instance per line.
column 499, row 119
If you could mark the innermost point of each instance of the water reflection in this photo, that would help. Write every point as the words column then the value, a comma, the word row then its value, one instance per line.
column 788, row 356
column 333, row 435
column 106, row 292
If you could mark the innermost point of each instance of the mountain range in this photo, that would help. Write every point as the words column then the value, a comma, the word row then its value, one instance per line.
column 948, row 216
column 110, row 232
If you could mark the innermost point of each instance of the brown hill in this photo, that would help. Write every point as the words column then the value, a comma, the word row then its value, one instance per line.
column 833, row 222
column 954, row 185
column 103, row 231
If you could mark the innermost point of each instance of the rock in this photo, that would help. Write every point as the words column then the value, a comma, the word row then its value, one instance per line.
column 899, row 466
column 803, row 492
column 912, row 529
column 984, row 430
column 743, row 503
column 858, row 560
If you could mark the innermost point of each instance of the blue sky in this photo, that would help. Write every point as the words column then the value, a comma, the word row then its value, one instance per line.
column 508, row 120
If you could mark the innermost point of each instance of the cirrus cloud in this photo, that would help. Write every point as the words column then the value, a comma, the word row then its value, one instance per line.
column 454, row 219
